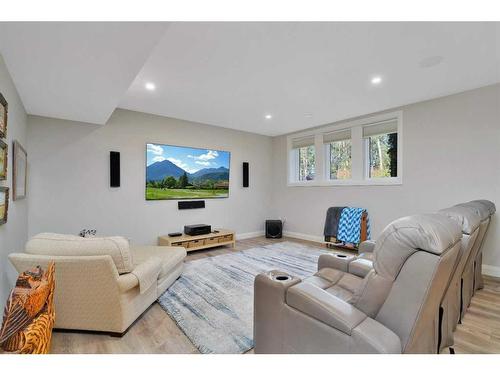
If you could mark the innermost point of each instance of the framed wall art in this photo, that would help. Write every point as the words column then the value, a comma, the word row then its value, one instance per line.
column 4, row 108
column 20, row 171
column 4, row 204
column 3, row 160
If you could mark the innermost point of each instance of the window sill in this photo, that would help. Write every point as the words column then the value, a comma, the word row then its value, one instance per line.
column 367, row 182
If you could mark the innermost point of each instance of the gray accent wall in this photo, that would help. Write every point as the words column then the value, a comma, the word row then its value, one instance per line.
column 451, row 154
column 69, row 181
column 14, row 233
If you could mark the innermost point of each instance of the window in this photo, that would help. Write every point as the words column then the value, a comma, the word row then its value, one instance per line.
column 304, row 156
column 381, row 149
column 338, row 154
column 361, row 152
column 306, row 163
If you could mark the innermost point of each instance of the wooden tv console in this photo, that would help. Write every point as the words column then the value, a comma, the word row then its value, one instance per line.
column 204, row 241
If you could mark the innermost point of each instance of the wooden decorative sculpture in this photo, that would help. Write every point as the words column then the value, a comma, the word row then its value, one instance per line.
column 29, row 314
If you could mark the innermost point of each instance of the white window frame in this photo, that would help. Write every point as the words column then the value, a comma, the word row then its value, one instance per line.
column 293, row 161
column 327, row 162
column 358, row 154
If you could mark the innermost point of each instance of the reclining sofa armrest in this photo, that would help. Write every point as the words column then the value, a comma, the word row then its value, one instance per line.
column 271, row 287
column 372, row 336
column 269, row 305
column 335, row 260
column 325, row 307
column 367, row 246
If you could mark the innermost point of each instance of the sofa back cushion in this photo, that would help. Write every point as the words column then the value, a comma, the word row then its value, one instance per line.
column 70, row 245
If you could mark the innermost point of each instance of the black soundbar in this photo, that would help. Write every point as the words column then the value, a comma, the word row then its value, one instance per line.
column 187, row 205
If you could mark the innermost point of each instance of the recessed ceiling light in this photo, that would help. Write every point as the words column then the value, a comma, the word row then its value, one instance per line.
column 308, row 115
column 376, row 80
column 430, row 61
column 150, row 86
column 268, row 117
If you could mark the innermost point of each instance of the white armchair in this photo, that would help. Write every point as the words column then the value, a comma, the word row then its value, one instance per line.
column 102, row 284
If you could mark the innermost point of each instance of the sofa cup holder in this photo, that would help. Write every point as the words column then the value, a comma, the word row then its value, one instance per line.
column 282, row 278
column 341, row 256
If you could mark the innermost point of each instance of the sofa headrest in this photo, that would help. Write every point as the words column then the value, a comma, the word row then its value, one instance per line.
column 70, row 245
column 433, row 233
column 488, row 204
column 465, row 216
column 479, row 208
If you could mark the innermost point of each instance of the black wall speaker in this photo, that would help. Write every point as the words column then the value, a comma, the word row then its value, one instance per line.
column 274, row 228
column 114, row 169
column 245, row 174
column 187, row 205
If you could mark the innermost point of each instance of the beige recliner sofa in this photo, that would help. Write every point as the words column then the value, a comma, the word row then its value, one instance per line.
column 450, row 309
column 474, row 218
column 102, row 283
column 393, row 309
column 472, row 274
column 481, row 205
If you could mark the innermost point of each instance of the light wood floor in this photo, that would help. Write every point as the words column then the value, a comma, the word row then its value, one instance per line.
column 480, row 328
column 155, row 332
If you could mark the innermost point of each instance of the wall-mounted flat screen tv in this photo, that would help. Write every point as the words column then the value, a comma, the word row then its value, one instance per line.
column 174, row 172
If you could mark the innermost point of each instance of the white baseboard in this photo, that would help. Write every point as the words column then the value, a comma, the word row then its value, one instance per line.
column 490, row 270
column 244, row 236
column 302, row 236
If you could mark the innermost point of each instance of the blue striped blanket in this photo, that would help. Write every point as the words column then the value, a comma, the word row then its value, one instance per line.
column 349, row 229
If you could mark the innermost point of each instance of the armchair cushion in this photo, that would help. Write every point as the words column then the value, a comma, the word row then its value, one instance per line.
column 147, row 273
column 331, row 275
column 463, row 215
column 127, row 281
column 490, row 206
column 325, row 307
column 371, row 336
column 337, row 261
column 338, row 283
column 361, row 266
column 70, row 245
column 168, row 257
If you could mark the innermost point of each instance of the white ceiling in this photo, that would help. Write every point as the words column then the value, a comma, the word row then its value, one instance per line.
column 76, row 71
column 233, row 74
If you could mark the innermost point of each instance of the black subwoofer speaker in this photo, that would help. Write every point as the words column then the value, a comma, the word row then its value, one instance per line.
column 114, row 169
column 274, row 228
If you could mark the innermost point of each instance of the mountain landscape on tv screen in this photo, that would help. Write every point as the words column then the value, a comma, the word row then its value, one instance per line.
column 162, row 169
column 174, row 172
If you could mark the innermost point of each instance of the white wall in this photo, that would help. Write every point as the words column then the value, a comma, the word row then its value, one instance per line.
column 69, row 180
column 451, row 155
column 13, row 234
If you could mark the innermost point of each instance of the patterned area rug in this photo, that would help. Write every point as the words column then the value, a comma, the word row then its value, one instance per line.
column 212, row 302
